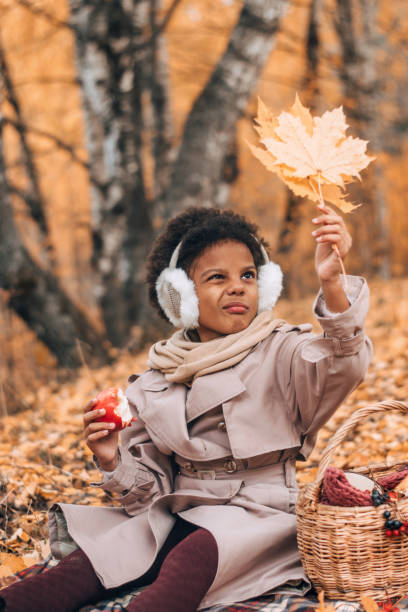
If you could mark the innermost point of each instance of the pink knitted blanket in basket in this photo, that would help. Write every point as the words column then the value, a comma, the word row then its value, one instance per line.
column 337, row 491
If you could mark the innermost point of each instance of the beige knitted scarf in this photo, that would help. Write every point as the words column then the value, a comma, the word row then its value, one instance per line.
column 182, row 360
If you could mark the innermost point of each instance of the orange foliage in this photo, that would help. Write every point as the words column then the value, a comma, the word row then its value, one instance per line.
column 44, row 459
column 41, row 57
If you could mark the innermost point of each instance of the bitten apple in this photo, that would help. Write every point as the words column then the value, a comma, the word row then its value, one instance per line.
column 116, row 407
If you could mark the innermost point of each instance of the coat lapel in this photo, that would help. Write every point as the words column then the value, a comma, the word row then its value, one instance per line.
column 212, row 390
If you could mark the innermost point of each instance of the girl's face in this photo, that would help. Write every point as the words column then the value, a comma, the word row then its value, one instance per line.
column 224, row 276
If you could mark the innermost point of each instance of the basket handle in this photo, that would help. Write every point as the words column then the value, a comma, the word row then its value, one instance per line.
column 341, row 433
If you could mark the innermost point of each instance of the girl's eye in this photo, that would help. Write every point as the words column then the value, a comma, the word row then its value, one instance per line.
column 249, row 274
column 215, row 277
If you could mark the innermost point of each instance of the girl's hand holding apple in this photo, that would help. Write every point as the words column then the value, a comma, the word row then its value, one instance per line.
column 104, row 417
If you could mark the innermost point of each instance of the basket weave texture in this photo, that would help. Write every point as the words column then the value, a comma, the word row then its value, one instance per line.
column 344, row 550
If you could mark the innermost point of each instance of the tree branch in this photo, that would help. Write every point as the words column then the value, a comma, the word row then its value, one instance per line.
column 20, row 127
column 40, row 12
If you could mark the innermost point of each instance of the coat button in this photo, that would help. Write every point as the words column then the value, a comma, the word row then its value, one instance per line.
column 230, row 466
column 222, row 426
column 189, row 467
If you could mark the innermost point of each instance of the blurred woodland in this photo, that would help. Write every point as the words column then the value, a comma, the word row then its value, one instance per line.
column 116, row 115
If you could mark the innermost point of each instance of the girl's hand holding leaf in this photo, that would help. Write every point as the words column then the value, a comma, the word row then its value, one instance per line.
column 331, row 231
column 333, row 242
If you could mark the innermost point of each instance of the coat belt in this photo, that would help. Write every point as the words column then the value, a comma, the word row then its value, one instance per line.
column 208, row 470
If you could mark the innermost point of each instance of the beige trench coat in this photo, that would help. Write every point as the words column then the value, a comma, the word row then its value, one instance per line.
column 235, row 436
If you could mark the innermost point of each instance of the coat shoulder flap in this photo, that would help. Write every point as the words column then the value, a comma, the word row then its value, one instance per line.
column 153, row 380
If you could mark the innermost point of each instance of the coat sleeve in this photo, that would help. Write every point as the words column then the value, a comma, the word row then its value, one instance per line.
column 324, row 369
column 143, row 473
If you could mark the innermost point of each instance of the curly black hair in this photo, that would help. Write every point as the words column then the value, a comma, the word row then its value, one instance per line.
column 198, row 228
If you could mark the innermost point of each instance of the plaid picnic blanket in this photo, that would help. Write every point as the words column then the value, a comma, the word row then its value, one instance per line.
column 271, row 603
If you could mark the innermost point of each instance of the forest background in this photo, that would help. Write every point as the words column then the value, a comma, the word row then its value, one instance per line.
column 116, row 114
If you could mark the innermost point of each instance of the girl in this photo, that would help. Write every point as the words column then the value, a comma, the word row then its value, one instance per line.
column 206, row 474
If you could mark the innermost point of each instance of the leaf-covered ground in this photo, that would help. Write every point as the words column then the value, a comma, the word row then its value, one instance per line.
column 43, row 457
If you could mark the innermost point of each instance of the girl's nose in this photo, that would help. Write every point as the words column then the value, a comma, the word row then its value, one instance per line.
column 236, row 287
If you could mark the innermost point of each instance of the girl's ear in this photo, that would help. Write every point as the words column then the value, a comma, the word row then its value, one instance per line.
column 177, row 297
column 269, row 286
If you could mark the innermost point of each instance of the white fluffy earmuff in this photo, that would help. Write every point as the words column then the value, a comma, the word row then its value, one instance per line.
column 179, row 301
column 176, row 294
column 270, row 279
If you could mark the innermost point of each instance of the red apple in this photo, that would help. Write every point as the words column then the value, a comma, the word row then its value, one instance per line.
column 116, row 407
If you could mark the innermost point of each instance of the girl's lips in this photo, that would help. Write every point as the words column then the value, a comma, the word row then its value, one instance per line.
column 236, row 308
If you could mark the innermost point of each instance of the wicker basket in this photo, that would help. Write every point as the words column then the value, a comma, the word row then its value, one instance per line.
column 345, row 551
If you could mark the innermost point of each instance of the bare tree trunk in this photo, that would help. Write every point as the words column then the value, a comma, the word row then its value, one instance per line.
column 33, row 291
column 36, row 296
column 157, row 80
column 363, row 89
column 157, row 156
column 209, row 129
column 123, row 82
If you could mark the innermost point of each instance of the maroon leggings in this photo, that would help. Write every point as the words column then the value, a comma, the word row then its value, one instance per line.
column 183, row 576
column 180, row 531
column 179, row 578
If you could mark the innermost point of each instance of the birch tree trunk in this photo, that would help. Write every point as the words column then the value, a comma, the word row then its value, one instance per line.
column 124, row 87
column 209, row 130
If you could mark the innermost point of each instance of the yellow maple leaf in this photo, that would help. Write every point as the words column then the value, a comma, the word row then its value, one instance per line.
column 369, row 604
column 304, row 189
column 10, row 564
column 323, row 607
column 312, row 155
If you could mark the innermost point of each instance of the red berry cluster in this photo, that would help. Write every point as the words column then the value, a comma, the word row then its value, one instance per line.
column 388, row 606
column 394, row 527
